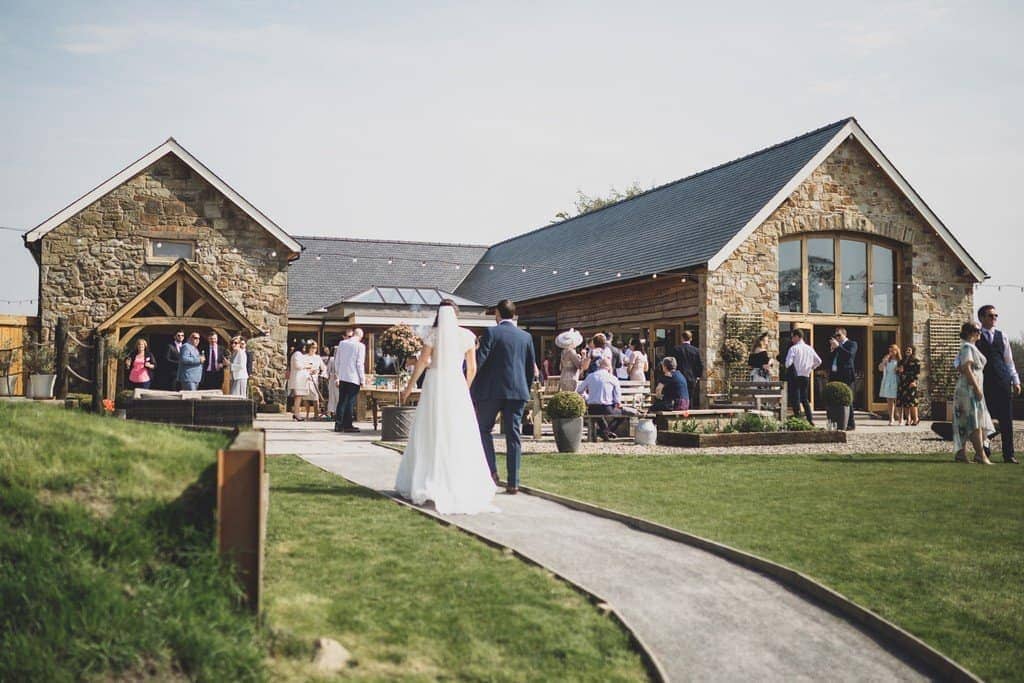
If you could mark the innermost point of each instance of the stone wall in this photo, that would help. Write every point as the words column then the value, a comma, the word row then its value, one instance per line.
column 847, row 193
column 94, row 263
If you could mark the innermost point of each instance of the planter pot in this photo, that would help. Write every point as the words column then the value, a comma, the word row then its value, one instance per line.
column 396, row 422
column 121, row 414
column 8, row 384
column 840, row 415
column 694, row 440
column 646, row 433
column 568, row 433
column 41, row 386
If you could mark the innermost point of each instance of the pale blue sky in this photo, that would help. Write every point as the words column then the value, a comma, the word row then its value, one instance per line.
column 476, row 121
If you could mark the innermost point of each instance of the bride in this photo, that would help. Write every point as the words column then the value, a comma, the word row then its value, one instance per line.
column 444, row 460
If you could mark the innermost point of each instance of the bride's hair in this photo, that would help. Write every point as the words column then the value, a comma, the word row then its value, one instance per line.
column 446, row 302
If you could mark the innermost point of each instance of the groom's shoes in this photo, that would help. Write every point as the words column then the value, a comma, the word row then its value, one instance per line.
column 511, row 490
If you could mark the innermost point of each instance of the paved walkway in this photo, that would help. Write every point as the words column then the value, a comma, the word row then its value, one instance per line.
column 703, row 617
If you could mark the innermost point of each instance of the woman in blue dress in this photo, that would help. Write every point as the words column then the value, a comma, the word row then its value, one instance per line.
column 971, row 419
column 890, row 380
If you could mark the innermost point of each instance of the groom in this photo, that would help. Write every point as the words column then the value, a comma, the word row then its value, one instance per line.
column 505, row 371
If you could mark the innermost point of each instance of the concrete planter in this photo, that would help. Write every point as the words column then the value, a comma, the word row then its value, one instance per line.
column 7, row 385
column 693, row 440
column 396, row 422
column 41, row 386
column 568, row 433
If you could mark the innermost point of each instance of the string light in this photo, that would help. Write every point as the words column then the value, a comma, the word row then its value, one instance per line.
column 273, row 254
column 458, row 266
column 618, row 274
column 554, row 272
column 490, row 267
column 390, row 261
column 654, row 276
column 355, row 260
column 318, row 257
column 523, row 269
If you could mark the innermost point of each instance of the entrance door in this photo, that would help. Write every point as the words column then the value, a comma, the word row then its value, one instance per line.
column 859, row 334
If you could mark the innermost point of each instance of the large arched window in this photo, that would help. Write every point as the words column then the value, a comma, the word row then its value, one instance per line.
column 837, row 275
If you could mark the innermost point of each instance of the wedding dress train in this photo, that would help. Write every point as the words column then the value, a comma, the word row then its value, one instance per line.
column 444, row 460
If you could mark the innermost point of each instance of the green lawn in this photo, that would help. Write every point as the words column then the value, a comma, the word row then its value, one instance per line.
column 936, row 547
column 107, row 565
column 414, row 600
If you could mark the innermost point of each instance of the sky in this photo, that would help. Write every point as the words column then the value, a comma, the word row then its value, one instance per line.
column 472, row 122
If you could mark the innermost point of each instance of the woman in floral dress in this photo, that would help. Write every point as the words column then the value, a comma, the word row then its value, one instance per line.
column 971, row 420
column 906, row 399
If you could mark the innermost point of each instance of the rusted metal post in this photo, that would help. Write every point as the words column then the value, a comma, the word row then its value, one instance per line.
column 242, row 501
column 61, row 340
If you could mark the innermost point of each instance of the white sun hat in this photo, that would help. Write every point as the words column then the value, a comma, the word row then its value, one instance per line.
column 569, row 339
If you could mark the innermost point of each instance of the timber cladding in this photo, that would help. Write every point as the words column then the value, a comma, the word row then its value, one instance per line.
column 14, row 334
column 647, row 301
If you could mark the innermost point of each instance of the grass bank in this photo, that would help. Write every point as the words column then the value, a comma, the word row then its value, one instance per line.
column 935, row 547
column 413, row 600
column 107, row 563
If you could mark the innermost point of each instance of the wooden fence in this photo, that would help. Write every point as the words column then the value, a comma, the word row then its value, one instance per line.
column 13, row 329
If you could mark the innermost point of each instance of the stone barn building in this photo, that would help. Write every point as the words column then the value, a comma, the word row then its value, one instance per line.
column 811, row 233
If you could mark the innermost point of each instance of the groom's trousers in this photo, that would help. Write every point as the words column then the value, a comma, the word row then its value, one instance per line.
column 511, row 423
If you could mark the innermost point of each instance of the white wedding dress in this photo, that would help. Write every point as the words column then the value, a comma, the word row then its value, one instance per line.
column 444, row 460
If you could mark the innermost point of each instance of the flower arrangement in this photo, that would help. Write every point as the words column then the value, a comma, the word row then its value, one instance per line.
column 733, row 351
column 401, row 342
column 108, row 406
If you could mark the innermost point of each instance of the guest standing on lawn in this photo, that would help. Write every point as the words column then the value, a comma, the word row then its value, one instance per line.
column 672, row 392
column 906, row 399
column 140, row 365
column 190, row 364
column 601, row 391
column 689, row 363
column 239, row 369
column 801, row 361
column 1001, row 380
column 971, row 420
column 889, row 388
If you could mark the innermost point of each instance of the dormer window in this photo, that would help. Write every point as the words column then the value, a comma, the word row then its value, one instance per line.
column 168, row 251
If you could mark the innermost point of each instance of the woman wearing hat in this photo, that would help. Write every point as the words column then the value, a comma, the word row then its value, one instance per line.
column 571, row 359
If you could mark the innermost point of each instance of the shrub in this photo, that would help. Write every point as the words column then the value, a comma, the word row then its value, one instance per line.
column 685, row 426
column 566, row 405
column 749, row 422
column 729, row 428
column 39, row 358
column 837, row 394
column 797, row 424
column 711, row 427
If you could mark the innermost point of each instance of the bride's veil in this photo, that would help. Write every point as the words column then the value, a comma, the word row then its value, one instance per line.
column 447, row 353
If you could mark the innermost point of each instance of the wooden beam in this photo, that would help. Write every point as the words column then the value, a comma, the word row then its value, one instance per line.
column 179, row 298
column 196, row 305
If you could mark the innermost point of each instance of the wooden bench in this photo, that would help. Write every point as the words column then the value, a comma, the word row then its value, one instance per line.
column 635, row 396
column 754, row 395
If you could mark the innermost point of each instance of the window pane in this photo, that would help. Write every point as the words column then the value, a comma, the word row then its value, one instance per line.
column 391, row 296
column 172, row 250
column 411, row 296
column 855, row 276
column 883, row 280
column 791, row 291
column 430, row 296
column 821, row 275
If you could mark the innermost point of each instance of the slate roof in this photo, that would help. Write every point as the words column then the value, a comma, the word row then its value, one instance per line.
column 674, row 226
column 313, row 283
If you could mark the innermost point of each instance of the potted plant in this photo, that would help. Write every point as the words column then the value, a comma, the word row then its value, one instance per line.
column 401, row 342
column 838, row 399
column 8, row 357
column 565, row 410
column 39, row 362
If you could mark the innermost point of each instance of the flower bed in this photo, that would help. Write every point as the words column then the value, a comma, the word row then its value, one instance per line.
column 699, row 440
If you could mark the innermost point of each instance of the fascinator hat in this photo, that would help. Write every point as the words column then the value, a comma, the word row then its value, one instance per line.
column 569, row 339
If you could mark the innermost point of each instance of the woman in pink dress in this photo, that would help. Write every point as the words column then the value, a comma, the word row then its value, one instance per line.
column 140, row 365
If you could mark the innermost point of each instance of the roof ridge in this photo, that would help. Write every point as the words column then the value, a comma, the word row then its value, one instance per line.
column 365, row 239
column 834, row 124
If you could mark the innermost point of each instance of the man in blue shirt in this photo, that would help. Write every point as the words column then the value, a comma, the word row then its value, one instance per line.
column 604, row 397
column 672, row 392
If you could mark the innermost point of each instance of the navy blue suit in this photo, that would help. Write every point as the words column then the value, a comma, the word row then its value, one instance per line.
column 998, row 387
column 504, row 374
column 843, row 369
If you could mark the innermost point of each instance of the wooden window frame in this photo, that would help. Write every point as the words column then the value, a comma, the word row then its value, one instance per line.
column 153, row 259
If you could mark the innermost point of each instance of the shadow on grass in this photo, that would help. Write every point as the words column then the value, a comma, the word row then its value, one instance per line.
column 855, row 460
column 351, row 492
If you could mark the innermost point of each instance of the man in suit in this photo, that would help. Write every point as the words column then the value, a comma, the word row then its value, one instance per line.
column 1001, row 379
column 190, row 364
column 689, row 363
column 172, row 355
column 505, row 372
column 844, row 354
column 213, row 365
column 350, row 376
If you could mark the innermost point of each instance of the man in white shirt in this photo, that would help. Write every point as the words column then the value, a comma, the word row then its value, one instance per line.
column 801, row 361
column 603, row 395
column 349, row 364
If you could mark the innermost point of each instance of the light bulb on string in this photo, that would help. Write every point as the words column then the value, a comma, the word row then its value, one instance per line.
column 586, row 272
column 458, row 266
column 654, row 276
column 523, row 269
column 355, row 260
column 390, row 261
column 618, row 274
column 554, row 272
column 423, row 264
column 273, row 254
column 490, row 267
column 318, row 257
column 683, row 279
